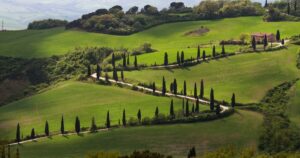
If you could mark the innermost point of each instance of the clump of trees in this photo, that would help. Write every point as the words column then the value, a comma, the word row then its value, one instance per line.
column 46, row 24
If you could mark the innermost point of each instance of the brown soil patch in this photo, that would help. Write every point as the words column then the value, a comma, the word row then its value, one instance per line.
column 198, row 32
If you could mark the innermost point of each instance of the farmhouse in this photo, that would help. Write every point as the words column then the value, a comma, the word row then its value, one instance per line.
column 259, row 37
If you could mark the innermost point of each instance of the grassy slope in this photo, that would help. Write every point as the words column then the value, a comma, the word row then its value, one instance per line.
column 241, row 129
column 74, row 98
column 168, row 37
column 249, row 75
column 293, row 109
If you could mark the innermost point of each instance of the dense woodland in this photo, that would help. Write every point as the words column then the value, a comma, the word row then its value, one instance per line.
column 46, row 24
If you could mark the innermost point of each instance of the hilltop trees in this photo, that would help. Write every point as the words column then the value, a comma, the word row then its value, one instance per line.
column 77, row 125
column 46, row 24
column 166, row 61
column 18, row 133
column 47, row 129
column 62, row 125
column 212, row 100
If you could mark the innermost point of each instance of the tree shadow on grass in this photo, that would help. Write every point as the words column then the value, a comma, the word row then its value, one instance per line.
column 65, row 136
column 80, row 135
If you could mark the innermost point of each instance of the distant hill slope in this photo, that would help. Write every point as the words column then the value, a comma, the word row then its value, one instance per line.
column 167, row 37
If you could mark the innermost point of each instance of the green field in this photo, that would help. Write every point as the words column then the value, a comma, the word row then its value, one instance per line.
column 249, row 76
column 293, row 109
column 73, row 99
column 241, row 129
column 164, row 38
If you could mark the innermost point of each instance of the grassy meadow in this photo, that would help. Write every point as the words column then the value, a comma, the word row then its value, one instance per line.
column 249, row 76
column 241, row 129
column 164, row 38
column 293, row 108
column 73, row 99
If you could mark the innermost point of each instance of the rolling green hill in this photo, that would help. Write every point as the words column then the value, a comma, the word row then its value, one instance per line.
column 249, row 76
column 293, row 109
column 164, row 38
column 241, row 129
column 73, row 99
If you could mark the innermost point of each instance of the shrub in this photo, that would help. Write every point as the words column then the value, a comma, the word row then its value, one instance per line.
column 159, row 119
column 133, row 121
column 46, row 24
column 146, row 121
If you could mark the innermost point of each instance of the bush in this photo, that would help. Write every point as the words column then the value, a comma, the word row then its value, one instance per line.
column 46, row 24
column 161, row 118
column 133, row 121
column 146, row 121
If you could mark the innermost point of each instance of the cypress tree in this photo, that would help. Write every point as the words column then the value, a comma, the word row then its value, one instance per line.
column 113, row 60
column 197, row 110
column 182, row 106
column 187, row 110
column 198, row 54
column 214, row 51
column 182, row 57
column 139, row 116
column 265, row 41
column 163, row 91
column 47, row 133
column 107, row 120
column 89, row 71
column 203, row 55
column 195, row 90
column 124, row 60
column 115, row 74
column 278, row 35
column 192, row 153
column 266, row 4
column 218, row 109
column 184, row 87
column 178, row 58
column 175, row 86
column 172, row 113
column 18, row 133
column 62, row 125
column 32, row 135
column 128, row 61
column 93, row 125
column 77, row 125
column 212, row 100
column 153, row 87
column 122, row 75
column 202, row 89
column 295, row 5
column 223, row 50
column 282, row 41
column 171, row 87
column 193, row 108
column 124, row 118
column 253, row 43
column 166, row 60
column 288, row 8
column 233, row 100
column 135, row 62
column 156, row 112
column 98, row 71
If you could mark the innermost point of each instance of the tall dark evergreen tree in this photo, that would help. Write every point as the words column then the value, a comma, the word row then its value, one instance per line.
column 139, row 116
column 98, row 71
column 122, row 75
column 183, row 106
column 77, row 125
column 197, row 109
column 187, row 109
column 193, row 108
column 214, row 51
column 172, row 113
column 124, row 60
column 282, row 41
column 195, row 90
column 288, row 8
column 93, row 125
column 163, row 91
column 212, row 100
column 253, row 42
column 265, row 41
column 192, row 153
column 223, row 49
column 202, row 89
column 153, row 87
column 182, row 57
column 135, row 62
column 178, row 58
column 18, row 133
column 62, row 125
column 171, row 87
column 233, row 100
column 113, row 62
column 115, row 74
column 278, row 35
column 32, row 135
column 166, row 59
column 47, row 132
column 107, row 120
column 156, row 112
column 124, row 118
column 198, row 54
column 128, row 61
column 203, row 55
column 266, row 4
column 175, row 86
column 89, row 71
column 184, row 88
